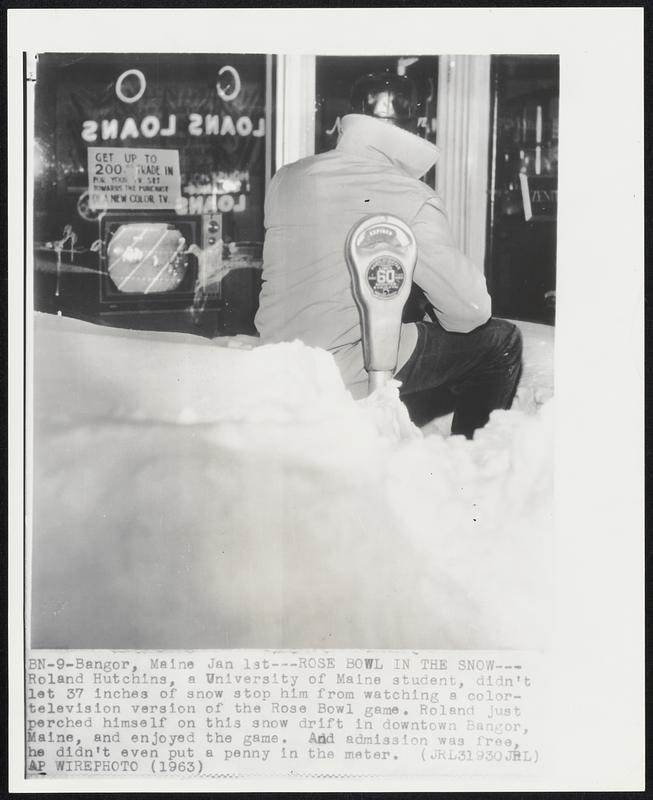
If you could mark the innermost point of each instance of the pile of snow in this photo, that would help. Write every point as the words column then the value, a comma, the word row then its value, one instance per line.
column 536, row 384
column 194, row 496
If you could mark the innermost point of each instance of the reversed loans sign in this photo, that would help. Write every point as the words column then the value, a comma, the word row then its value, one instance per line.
column 133, row 178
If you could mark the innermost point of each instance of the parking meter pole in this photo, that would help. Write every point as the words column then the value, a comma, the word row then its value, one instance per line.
column 381, row 253
column 377, row 378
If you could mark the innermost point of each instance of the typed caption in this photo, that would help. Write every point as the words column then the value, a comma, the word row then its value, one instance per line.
column 256, row 713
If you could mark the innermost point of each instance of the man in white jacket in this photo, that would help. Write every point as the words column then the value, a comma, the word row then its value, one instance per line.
column 461, row 360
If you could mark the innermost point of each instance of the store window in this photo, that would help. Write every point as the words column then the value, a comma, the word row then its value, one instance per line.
column 150, row 174
column 522, row 213
column 335, row 75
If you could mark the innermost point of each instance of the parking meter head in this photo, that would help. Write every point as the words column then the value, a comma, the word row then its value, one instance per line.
column 381, row 253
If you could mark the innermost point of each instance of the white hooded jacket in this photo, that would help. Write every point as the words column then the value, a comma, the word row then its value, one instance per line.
column 311, row 206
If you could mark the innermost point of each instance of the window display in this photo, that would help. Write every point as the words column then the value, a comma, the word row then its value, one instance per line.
column 167, row 142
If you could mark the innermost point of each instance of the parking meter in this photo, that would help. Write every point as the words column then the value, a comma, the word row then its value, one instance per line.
column 381, row 253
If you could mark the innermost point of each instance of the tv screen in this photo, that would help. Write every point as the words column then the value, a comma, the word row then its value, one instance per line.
column 146, row 259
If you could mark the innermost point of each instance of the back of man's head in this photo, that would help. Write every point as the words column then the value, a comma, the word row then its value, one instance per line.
column 387, row 97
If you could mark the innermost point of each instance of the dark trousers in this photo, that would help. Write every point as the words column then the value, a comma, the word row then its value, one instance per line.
column 470, row 374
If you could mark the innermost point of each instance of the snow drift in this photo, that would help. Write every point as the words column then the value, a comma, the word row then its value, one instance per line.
column 188, row 495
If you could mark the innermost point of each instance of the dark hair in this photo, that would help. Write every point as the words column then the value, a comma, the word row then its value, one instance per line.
column 392, row 98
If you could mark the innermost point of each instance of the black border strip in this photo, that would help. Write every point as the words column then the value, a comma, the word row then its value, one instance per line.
column 24, row 308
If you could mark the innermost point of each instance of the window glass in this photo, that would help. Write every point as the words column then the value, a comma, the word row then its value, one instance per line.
column 168, row 139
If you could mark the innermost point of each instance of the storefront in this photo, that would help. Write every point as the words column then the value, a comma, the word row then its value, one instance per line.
column 143, row 162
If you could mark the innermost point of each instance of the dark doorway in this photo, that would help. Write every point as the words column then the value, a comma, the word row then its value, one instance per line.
column 522, row 212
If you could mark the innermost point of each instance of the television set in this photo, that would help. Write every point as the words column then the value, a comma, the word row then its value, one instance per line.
column 147, row 259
